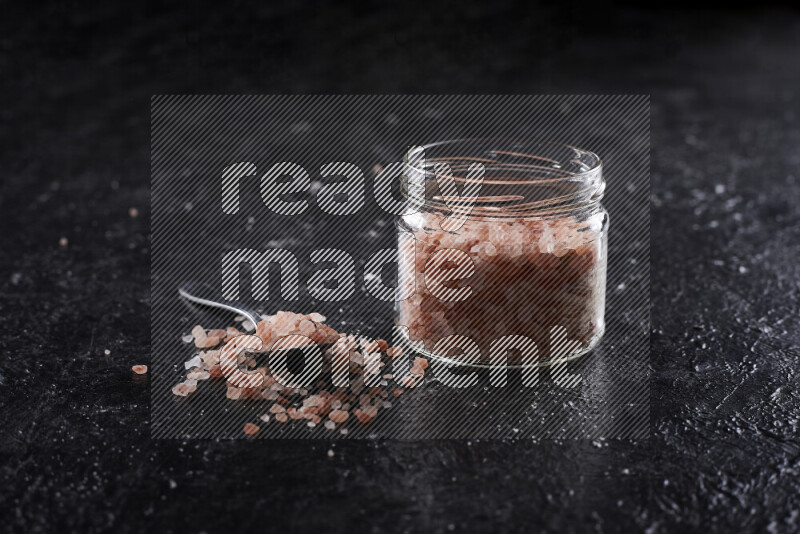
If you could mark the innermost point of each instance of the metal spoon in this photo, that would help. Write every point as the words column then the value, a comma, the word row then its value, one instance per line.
column 205, row 295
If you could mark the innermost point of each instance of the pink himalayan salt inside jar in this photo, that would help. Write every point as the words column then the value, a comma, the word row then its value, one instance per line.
column 536, row 238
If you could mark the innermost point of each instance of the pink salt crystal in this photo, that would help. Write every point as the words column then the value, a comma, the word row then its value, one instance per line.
column 313, row 400
column 362, row 416
column 407, row 380
column 231, row 333
column 422, row 362
column 234, row 393
column 210, row 357
column 487, row 251
column 139, row 369
column 294, row 413
column 330, row 425
column 182, row 390
column 198, row 374
column 394, row 351
column 208, row 342
column 497, row 233
column 199, row 332
column 370, row 411
column 217, row 333
column 215, row 371
column 281, row 417
column 316, row 317
column 416, row 370
column 276, row 408
column 250, row 429
column 338, row 416
column 547, row 240
column 265, row 418
column 306, row 327
column 264, row 331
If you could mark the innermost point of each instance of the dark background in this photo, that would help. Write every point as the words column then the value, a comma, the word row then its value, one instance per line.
column 724, row 451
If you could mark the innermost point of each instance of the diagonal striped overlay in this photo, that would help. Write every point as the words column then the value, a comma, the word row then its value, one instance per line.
column 200, row 143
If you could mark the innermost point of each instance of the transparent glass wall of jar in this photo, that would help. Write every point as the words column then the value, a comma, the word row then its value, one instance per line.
column 525, row 273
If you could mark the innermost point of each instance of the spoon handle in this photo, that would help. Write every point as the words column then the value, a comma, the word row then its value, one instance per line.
column 205, row 295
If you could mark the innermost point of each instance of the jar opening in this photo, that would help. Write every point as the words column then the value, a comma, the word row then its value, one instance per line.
column 520, row 178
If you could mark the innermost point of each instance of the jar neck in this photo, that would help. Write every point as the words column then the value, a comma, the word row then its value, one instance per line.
column 500, row 179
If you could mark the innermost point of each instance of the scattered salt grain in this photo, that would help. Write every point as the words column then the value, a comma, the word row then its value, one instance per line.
column 133, row 212
column 197, row 374
column 338, row 416
column 187, row 338
column 139, row 369
column 250, row 429
column 330, row 453
column 106, row 352
column 194, row 362
column 180, row 389
column 330, row 425
column 63, row 242
column 265, row 418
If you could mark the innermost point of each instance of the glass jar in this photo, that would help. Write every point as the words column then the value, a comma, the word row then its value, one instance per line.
column 519, row 264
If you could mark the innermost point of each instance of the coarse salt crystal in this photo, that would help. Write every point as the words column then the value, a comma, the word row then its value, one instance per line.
column 194, row 362
column 198, row 374
column 316, row 317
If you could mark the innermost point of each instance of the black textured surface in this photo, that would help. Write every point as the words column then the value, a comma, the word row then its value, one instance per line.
column 724, row 453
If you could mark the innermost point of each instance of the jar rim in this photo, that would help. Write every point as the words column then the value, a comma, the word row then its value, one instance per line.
column 520, row 177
